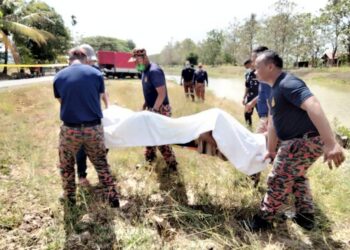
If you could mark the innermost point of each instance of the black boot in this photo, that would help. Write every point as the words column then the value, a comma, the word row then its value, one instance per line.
column 305, row 220
column 258, row 223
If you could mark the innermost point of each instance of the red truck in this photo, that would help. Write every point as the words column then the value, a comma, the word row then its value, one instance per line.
column 116, row 64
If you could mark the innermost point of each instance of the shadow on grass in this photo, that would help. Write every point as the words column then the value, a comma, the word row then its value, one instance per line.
column 89, row 224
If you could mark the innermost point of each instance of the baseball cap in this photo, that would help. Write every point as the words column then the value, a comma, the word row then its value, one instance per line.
column 137, row 52
column 89, row 51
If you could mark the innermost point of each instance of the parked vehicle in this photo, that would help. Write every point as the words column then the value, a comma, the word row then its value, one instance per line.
column 116, row 64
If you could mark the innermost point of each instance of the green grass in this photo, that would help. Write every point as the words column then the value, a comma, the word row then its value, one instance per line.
column 198, row 208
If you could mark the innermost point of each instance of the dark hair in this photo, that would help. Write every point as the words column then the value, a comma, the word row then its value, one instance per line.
column 270, row 56
column 260, row 49
column 247, row 62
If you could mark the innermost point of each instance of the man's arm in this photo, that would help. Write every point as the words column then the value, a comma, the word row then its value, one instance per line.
column 160, row 98
column 250, row 105
column 272, row 139
column 332, row 150
column 244, row 96
column 182, row 76
column 105, row 98
column 206, row 78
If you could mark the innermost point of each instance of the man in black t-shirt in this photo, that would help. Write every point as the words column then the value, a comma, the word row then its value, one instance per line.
column 186, row 80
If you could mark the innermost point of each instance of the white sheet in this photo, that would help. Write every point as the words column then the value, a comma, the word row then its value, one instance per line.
column 126, row 128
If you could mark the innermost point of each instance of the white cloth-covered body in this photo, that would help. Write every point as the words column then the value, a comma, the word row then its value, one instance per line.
column 126, row 128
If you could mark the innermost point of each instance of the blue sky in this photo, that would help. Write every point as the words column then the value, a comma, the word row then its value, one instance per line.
column 153, row 23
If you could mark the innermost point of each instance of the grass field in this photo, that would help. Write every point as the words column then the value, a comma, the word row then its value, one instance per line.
column 201, row 207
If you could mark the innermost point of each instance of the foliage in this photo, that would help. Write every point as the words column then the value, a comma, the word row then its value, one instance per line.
column 31, row 51
column 295, row 36
column 16, row 22
column 108, row 43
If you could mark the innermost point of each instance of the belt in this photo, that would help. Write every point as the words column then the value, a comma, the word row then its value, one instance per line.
column 308, row 135
column 83, row 124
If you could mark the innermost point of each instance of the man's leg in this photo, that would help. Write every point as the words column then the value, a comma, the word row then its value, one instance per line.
column 192, row 91
column 150, row 154
column 69, row 143
column 96, row 151
column 166, row 150
column 197, row 89
column 186, row 88
column 81, row 159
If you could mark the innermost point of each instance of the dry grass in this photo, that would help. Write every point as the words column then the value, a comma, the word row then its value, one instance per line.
column 200, row 207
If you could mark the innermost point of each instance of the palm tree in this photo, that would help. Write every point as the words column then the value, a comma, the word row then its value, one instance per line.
column 13, row 21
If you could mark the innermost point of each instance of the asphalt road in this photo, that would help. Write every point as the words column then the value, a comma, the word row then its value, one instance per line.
column 11, row 83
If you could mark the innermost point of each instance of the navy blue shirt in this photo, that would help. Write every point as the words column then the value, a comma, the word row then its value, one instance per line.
column 79, row 87
column 187, row 74
column 200, row 76
column 152, row 78
column 263, row 99
column 290, row 121
column 252, row 84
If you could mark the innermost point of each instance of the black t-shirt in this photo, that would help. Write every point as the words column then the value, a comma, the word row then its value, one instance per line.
column 200, row 76
column 252, row 84
column 187, row 74
column 289, row 120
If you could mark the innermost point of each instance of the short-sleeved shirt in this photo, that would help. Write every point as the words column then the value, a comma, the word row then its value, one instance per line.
column 263, row 99
column 252, row 85
column 187, row 74
column 79, row 87
column 288, row 94
column 152, row 78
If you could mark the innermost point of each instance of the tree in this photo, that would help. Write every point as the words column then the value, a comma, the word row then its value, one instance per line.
column 53, row 47
column 14, row 22
column 211, row 48
column 108, row 43
column 330, row 21
column 192, row 58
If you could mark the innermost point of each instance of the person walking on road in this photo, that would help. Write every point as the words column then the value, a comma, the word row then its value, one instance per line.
column 200, row 79
column 187, row 80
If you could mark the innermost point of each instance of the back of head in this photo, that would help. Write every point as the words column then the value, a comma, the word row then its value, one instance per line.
column 89, row 51
column 77, row 54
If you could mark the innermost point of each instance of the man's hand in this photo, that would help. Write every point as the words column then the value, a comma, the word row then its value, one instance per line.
column 270, row 156
column 180, row 83
column 333, row 154
column 249, row 107
column 144, row 106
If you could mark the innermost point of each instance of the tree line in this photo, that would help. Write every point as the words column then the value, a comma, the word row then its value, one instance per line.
column 295, row 36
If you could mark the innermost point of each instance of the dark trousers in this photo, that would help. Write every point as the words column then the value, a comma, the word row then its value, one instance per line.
column 81, row 158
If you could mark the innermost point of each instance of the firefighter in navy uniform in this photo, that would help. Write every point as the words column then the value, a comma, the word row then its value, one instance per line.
column 186, row 80
column 200, row 79
column 251, row 91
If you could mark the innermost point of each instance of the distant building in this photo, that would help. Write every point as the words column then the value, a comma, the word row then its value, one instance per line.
column 328, row 59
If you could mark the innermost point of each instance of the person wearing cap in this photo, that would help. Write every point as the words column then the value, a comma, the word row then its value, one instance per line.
column 297, row 120
column 79, row 88
column 81, row 157
column 186, row 80
column 200, row 78
column 155, row 100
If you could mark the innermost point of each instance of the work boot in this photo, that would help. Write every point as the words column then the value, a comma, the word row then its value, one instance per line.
column 257, row 223
column 151, row 158
column 114, row 202
column 305, row 220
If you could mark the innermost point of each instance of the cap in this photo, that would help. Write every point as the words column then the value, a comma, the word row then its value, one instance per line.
column 137, row 52
column 89, row 51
